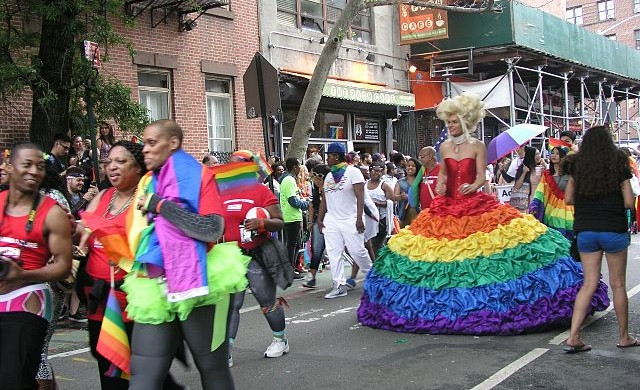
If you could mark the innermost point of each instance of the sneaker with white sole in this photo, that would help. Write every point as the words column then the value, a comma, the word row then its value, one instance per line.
column 351, row 283
column 277, row 348
column 310, row 283
column 336, row 292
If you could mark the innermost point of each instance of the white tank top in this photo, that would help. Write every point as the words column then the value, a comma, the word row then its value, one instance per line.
column 377, row 194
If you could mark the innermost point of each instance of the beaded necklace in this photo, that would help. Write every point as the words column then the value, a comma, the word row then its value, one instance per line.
column 112, row 202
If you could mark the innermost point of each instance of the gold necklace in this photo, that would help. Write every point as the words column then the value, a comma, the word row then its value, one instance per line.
column 112, row 202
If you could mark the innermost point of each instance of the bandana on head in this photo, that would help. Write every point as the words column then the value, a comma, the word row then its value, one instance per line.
column 338, row 170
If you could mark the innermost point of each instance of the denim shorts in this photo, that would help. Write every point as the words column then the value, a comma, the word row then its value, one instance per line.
column 609, row 242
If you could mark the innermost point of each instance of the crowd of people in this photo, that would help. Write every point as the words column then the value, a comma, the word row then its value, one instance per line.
column 439, row 251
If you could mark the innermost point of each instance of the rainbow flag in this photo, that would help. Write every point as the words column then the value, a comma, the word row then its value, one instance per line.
column 236, row 175
column 553, row 142
column 473, row 266
column 548, row 206
column 113, row 342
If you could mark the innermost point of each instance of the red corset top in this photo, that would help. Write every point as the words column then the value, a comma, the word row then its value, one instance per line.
column 459, row 172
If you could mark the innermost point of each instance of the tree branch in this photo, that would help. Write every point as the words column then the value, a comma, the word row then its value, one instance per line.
column 489, row 6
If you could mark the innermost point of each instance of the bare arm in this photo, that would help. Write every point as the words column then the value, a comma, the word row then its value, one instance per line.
column 570, row 192
column 520, row 180
column 388, row 193
column 441, row 185
column 359, row 191
column 627, row 195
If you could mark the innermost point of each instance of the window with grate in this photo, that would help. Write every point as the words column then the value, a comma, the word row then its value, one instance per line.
column 154, row 89
column 574, row 15
column 321, row 15
column 605, row 10
column 636, row 34
column 219, row 98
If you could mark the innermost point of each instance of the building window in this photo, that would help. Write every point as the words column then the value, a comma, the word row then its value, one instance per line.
column 327, row 125
column 321, row 15
column 605, row 10
column 574, row 15
column 611, row 37
column 636, row 6
column 154, row 88
column 636, row 34
column 219, row 114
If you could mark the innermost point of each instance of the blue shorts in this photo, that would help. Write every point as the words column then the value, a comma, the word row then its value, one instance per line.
column 609, row 242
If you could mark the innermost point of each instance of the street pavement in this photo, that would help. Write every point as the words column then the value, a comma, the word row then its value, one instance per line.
column 331, row 350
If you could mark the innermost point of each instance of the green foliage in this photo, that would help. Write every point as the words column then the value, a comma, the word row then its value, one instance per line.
column 20, row 22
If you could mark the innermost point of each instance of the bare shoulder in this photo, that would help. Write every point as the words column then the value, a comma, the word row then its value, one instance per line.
column 57, row 220
column 446, row 144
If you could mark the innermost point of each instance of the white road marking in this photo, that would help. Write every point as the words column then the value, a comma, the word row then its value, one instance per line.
column 69, row 353
column 510, row 369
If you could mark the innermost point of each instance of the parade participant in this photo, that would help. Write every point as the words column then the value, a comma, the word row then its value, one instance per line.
column 341, row 217
column 36, row 249
column 548, row 204
column 431, row 167
column 318, row 174
column 468, row 264
column 570, row 138
column 253, row 237
column 180, row 284
column 521, row 191
column 78, row 197
column 599, row 189
column 80, row 155
column 125, row 167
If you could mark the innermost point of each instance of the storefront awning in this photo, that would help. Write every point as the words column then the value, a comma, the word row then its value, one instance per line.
column 362, row 92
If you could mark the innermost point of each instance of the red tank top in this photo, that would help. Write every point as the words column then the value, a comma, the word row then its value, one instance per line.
column 98, row 263
column 15, row 242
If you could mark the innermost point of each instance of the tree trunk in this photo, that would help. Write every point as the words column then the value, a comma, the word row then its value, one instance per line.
column 51, row 93
column 307, row 113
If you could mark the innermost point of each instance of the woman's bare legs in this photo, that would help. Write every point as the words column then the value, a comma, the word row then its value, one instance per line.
column 591, row 264
column 617, row 263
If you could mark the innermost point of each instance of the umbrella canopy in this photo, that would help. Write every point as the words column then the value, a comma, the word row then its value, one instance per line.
column 510, row 139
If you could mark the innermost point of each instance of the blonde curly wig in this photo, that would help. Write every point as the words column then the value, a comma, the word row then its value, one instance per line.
column 467, row 106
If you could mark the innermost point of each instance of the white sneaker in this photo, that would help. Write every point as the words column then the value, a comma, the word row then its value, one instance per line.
column 277, row 348
column 336, row 292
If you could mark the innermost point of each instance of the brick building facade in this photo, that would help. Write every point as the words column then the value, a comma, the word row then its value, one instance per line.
column 616, row 19
column 193, row 76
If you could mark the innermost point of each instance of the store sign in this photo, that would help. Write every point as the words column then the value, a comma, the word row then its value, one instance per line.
column 369, row 95
column 419, row 24
column 367, row 131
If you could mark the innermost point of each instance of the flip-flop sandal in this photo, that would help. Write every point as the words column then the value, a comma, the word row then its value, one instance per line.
column 636, row 343
column 570, row 349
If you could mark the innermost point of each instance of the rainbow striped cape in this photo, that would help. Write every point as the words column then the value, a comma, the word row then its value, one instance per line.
column 548, row 206
column 553, row 142
column 159, row 247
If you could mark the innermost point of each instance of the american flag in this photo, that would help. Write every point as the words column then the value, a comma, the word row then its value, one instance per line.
column 441, row 139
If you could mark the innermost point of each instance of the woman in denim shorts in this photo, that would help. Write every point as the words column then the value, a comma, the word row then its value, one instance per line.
column 600, row 190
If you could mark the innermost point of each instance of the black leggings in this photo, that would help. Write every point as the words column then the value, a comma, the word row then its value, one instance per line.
column 292, row 241
column 264, row 290
column 21, row 339
column 154, row 347
column 109, row 383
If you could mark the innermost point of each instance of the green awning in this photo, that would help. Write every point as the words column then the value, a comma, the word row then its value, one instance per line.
column 369, row 94
column 532, row 29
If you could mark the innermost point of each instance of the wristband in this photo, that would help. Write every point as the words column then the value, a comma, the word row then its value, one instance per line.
column 159, row 205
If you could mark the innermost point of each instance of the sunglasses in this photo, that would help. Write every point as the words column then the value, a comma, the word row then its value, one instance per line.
column 317, row 175
column 376, row 169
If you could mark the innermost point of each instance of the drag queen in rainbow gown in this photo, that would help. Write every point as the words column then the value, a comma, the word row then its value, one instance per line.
column 468, row 264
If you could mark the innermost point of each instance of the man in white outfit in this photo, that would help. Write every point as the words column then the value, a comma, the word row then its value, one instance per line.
column 341, row 217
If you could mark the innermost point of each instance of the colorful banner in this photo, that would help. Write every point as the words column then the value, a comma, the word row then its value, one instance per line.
column 419, row 24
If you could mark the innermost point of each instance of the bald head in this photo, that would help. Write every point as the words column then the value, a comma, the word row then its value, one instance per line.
column 170, row 128
column 427, row 156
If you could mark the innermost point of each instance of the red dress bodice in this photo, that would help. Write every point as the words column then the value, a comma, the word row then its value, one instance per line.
column 459, row 172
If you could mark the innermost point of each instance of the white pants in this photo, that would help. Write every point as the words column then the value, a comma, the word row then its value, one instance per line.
column 337, row 235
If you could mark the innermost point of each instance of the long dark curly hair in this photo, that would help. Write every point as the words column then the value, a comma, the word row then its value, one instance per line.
column 599, row 167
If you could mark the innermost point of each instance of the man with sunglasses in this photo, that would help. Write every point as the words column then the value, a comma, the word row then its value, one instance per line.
column 58, row 159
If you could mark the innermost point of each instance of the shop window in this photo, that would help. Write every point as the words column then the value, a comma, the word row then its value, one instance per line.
column 321, row 15
column 154, row 88
column 327, row 125
column 219, row 98
column 636, row 34
column 605, row 10
column 574, row 15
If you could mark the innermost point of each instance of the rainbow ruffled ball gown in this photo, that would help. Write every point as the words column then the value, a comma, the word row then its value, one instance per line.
column 469, row 265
